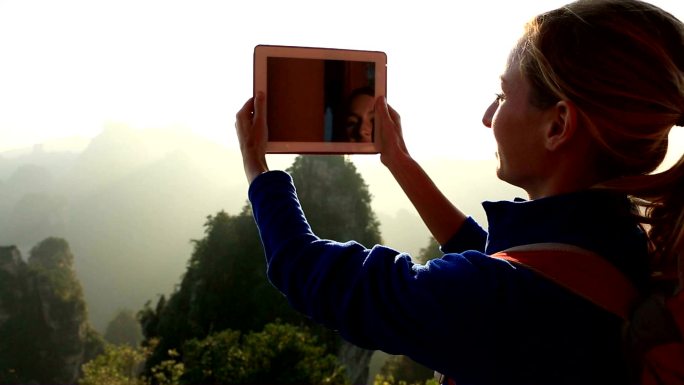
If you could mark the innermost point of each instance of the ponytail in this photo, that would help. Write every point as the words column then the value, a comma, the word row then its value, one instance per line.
column 660, row 199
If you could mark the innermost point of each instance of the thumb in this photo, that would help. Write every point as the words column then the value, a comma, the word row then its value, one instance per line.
column 394, row 115
column 381, row 107
column 259, row 106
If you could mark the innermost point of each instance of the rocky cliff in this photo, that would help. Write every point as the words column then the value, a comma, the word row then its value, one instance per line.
column 43, row 318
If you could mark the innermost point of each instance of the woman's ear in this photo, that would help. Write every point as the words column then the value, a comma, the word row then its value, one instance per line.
column 563, row 124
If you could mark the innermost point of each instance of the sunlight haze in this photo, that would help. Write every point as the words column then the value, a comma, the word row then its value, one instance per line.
column 117, row 120
column 70, row 68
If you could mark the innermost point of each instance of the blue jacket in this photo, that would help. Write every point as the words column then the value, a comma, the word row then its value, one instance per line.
column 477, row 319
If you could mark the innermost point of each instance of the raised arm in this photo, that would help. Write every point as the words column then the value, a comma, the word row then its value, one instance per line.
column 441, row 217
column 252, row 133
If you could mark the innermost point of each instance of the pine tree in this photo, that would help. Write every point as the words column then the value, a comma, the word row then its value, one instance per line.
column 225, row 286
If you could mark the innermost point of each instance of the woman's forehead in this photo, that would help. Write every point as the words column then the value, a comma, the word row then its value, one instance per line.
column 512, row 71
column 512, row 66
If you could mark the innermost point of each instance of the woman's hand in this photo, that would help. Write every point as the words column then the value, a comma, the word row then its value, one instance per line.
column 393, row 149
column 252, row 132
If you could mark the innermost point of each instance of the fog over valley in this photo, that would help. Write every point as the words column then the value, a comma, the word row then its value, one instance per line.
column 129, row 202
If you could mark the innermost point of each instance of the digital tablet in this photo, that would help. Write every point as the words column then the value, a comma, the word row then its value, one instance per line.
column 320, row 100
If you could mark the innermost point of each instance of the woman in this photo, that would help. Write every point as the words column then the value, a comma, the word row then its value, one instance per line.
column 588, row 98
column 358, row 117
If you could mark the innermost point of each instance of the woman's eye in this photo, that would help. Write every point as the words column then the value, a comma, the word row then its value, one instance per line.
column 500, row 98
column 352, row 122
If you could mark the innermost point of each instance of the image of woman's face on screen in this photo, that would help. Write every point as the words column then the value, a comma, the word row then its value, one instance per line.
column 360, row 119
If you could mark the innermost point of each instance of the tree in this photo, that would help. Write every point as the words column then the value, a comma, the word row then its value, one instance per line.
column 280, row 354
column 149, row 319
column 431, row 251
column 335, row 199
column 225, row 286
column 16, row 348
column 404, row 369
column 124, row 329
column 58, row 312
column 118, row 365
column 45, row 333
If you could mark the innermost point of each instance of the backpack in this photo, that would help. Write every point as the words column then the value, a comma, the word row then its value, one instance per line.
column 654, row 326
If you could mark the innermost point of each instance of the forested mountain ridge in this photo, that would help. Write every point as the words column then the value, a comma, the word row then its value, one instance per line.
column 44, row 327
column 131, row 202
column 225, row 288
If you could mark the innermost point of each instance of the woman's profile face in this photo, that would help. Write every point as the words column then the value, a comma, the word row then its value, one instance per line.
column 360, row 120
column 519, row 130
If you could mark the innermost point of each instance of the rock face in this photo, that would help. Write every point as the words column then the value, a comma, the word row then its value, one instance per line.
column 356, row 362
column 10, row 267
column 43, row 318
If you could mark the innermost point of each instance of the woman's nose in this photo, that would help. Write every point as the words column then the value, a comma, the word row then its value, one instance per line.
column 489, row 114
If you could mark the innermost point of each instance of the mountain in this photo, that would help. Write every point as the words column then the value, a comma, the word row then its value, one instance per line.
column 55, row 162
column 130, row 203
column 43, row 319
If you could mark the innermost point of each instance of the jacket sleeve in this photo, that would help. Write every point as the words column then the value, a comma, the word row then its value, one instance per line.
column 469, row 237
column 375, row 298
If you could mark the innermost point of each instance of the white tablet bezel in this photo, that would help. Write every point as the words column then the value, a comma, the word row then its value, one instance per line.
column 261, row 55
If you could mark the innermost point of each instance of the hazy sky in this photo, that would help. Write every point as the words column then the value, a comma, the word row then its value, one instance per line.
column 70, row 68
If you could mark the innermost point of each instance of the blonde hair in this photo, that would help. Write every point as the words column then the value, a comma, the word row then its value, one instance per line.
column 621, row 63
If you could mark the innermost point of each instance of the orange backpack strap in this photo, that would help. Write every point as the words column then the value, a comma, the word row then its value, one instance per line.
column 581, row 271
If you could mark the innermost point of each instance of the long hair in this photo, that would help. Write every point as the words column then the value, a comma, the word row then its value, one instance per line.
column 621, row 62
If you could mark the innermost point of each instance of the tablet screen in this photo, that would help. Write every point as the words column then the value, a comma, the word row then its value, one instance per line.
column 320, row 100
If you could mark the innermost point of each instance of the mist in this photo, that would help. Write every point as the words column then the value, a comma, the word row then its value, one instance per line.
column 130, row 201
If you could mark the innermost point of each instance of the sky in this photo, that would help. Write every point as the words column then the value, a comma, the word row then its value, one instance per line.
column 71, row 68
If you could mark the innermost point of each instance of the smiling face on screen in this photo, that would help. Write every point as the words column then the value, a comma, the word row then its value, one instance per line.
column 360, row 120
